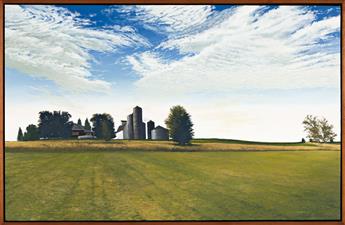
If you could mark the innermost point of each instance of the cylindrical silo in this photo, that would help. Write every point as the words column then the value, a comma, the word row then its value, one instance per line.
column 124, row 130
column 143, row 131
column 150, row 127
column 137, row 122
column 160, row 133
column 129, row 127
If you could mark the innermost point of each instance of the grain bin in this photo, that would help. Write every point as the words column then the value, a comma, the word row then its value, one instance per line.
column 160, row 133
column 150, row 127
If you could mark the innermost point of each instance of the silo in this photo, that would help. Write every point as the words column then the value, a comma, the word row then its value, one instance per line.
column 129, row 127
column 143, row 130
column 124, row 130
column 150, row 127
column 137, row 122
column 160, row 133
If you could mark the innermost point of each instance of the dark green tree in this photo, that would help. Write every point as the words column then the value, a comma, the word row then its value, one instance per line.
column 32, row 133
column 20, row 136
column 180, row 125
column 87, row 125
column 79, row 122
column 107, row 134
column 103, row 126
column 55, row 124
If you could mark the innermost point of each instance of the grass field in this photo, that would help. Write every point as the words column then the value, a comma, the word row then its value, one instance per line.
column 135, row 180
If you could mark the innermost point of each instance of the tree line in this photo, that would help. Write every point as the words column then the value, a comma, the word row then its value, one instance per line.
column 57, row 125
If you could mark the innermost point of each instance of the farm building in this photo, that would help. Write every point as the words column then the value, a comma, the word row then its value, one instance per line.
column 160, row 133
column 78, row 130
column 135, row 128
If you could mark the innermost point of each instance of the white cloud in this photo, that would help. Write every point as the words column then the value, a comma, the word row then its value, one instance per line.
column 53, row 43
column 250, row 48
column 168, row 18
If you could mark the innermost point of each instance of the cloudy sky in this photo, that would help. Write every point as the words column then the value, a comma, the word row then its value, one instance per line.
column 242, row 72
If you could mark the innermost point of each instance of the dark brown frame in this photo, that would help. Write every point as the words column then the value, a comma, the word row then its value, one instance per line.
column 170, row 2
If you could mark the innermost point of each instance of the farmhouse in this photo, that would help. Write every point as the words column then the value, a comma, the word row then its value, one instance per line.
column 78, row 130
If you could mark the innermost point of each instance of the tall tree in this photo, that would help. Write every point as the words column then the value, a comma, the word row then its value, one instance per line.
column 20, row 136
column 327, row 133
column 318, row 130
column 103, row 126
column 311, row 126
column 79, row 122
column 32, row 133
column 87, row 125
column 106, row 130
column 55, row 124
column 180, row 125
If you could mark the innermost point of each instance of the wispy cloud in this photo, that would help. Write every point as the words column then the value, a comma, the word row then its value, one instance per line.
column 167, row 19
column 249, row 47
column 53, row 43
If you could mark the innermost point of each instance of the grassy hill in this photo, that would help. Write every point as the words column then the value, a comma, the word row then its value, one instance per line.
column 153, row 180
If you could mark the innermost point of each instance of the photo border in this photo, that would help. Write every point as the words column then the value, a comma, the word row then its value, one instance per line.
column 168, row 2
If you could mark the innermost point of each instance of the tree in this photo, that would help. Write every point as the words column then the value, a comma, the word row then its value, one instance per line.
column 87, row 125
column 20, row 136
column 311, row 126
column 55, row 124
column 319, row 130
column 106, row 131
column 180, row 125
column 32, row 133
column 79, row 122
column 103, row 126
column 327, row 133
column 303, row 140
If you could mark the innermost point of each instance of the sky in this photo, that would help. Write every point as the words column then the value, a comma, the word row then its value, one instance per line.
column 250, row 72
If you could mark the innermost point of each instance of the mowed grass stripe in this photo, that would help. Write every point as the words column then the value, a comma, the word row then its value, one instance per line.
column 105, row 185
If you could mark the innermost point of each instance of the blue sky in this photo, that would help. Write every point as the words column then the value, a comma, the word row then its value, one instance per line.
column 237, row 69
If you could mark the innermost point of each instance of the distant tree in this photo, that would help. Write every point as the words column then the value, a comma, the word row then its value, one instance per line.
column 318, row 130
column 87, row 125
column 311, row 126
column 180, row 125
column 303, row 140
column 20, row 136
column 32, row 133
column 103, row 126
column 55, row 124
column 79, row 122
column 327, row 133
column 106, row 131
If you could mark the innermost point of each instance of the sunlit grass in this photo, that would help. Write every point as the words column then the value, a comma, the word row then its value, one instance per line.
column 157, row 180
column 147, row 145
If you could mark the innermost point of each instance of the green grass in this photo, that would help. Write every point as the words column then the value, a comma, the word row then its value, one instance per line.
column 153, row 185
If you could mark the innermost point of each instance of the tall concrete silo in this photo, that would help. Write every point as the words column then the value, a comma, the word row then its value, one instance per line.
column 150, row 127
column 129, row 127
column 137, row 122
column 143, row 130
column 123, row 128
column 160, row 133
